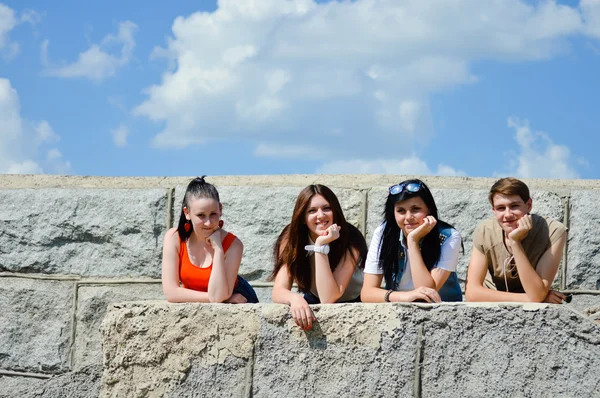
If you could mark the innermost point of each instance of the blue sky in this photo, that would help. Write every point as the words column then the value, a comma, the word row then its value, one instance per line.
column 470, row 87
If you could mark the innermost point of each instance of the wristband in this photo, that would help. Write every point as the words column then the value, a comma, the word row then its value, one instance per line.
column 386, row 298
column 324, row 249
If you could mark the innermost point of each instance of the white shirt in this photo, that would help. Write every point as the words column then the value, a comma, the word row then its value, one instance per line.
column 448, row 257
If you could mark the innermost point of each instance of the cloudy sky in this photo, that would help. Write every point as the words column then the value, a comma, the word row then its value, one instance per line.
column 438, row 87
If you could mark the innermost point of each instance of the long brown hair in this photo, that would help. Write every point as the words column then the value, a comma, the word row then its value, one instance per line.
column 295, row 236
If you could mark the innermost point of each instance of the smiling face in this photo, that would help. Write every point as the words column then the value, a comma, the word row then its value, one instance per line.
column 508, row 209
column 204, row 214
column 318, row 216
column 410, row 213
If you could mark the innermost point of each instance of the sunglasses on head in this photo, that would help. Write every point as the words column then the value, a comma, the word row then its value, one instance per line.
column 406, row 186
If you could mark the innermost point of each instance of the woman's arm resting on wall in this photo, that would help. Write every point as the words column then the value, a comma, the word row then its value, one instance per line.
column 171, row 284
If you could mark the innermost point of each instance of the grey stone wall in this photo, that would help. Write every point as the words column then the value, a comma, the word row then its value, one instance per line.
column 70, row 246
column 354, row 350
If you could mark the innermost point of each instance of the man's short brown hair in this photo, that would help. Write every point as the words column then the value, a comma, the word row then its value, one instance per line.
column 509, row 186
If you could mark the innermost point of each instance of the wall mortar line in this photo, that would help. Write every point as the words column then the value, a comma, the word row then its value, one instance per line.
column 25, row 374
column 40, row 276
column 365, row 212
column 71, row 356
column 417, row 387
column 564, row 268
column 170, row 209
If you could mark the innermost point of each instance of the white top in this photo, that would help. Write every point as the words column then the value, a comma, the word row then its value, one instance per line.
column 448, row 257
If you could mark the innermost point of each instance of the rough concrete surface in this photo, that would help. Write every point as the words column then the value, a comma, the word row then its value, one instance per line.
column 88, row 232
column 38, row 181
column 35, row 324
column 510, row 350
column 351, row 351
column 15, row 386
column 84, row 383
column 150, row 349
column 264, row 294
column 466, row 350
column 584, row 241
column 92, row 302
column 257, row 215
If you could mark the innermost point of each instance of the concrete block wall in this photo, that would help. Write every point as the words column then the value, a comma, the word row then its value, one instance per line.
column 69, row 246
column 354, row 350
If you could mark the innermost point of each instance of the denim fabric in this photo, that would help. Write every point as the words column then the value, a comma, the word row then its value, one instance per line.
column 312, row 299
column 244, row 288
column 450, row 291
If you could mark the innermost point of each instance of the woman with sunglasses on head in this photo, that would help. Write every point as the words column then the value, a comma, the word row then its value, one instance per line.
column 200, row 259
column 413, row 250
column 319, row 251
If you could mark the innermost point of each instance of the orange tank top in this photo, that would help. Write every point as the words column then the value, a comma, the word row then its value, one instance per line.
column 193, row 277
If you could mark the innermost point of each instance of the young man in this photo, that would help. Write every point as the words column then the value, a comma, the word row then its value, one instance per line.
column 520, row 250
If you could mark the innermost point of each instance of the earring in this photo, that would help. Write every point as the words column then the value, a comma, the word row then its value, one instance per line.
column 187, row 226
column 221, row 223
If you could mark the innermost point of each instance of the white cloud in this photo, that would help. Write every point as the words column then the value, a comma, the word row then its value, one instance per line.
column 412, row 165
column 538, row 156
column 120, row 135
column 7, row 22
column 290, row 151
column 591, row 15
column 290, row 72
column 31, row 16
column 101, row 60
column 22, row 142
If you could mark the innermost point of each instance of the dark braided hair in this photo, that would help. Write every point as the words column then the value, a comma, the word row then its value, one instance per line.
column 197, row 188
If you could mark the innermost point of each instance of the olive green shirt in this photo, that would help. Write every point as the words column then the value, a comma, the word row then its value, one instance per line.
column 488, row 238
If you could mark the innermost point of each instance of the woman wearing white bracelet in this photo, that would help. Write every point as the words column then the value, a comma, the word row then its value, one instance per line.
column 414, row 251
column 319, row 251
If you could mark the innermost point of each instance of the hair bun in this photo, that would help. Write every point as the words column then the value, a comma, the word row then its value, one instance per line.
column 200, row 179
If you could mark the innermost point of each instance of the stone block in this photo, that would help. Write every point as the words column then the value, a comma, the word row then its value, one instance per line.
column 583, row 256
column 264, row 294
column 89, row 232
column 16, row 386
column 84, row 383
column 257, row 215
column 466, row 350
column 35, row 324
column 586, row 304
column 509, row 350
column 353, row 350
column 464, row 209
column 152, row 349
column 92, row 302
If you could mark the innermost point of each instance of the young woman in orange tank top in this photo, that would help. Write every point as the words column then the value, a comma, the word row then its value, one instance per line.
column 200, row 259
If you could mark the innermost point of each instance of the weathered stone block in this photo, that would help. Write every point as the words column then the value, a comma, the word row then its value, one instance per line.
column 509, row 350
column 467, row 350
column 264, row 294
column 91, row 232
column 150, row 349
column 84, row 383
column 584, row 241
column 257, row 215
column 353, row 350
column 92, row 302
column 586, row 304
column 35, row 324
column 464, row 209
column 16, row 386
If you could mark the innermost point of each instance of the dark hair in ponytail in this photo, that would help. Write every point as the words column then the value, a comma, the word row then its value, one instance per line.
column 197, row 188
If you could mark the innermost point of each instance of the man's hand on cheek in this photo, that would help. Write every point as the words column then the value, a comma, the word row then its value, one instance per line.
column 524, row 225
